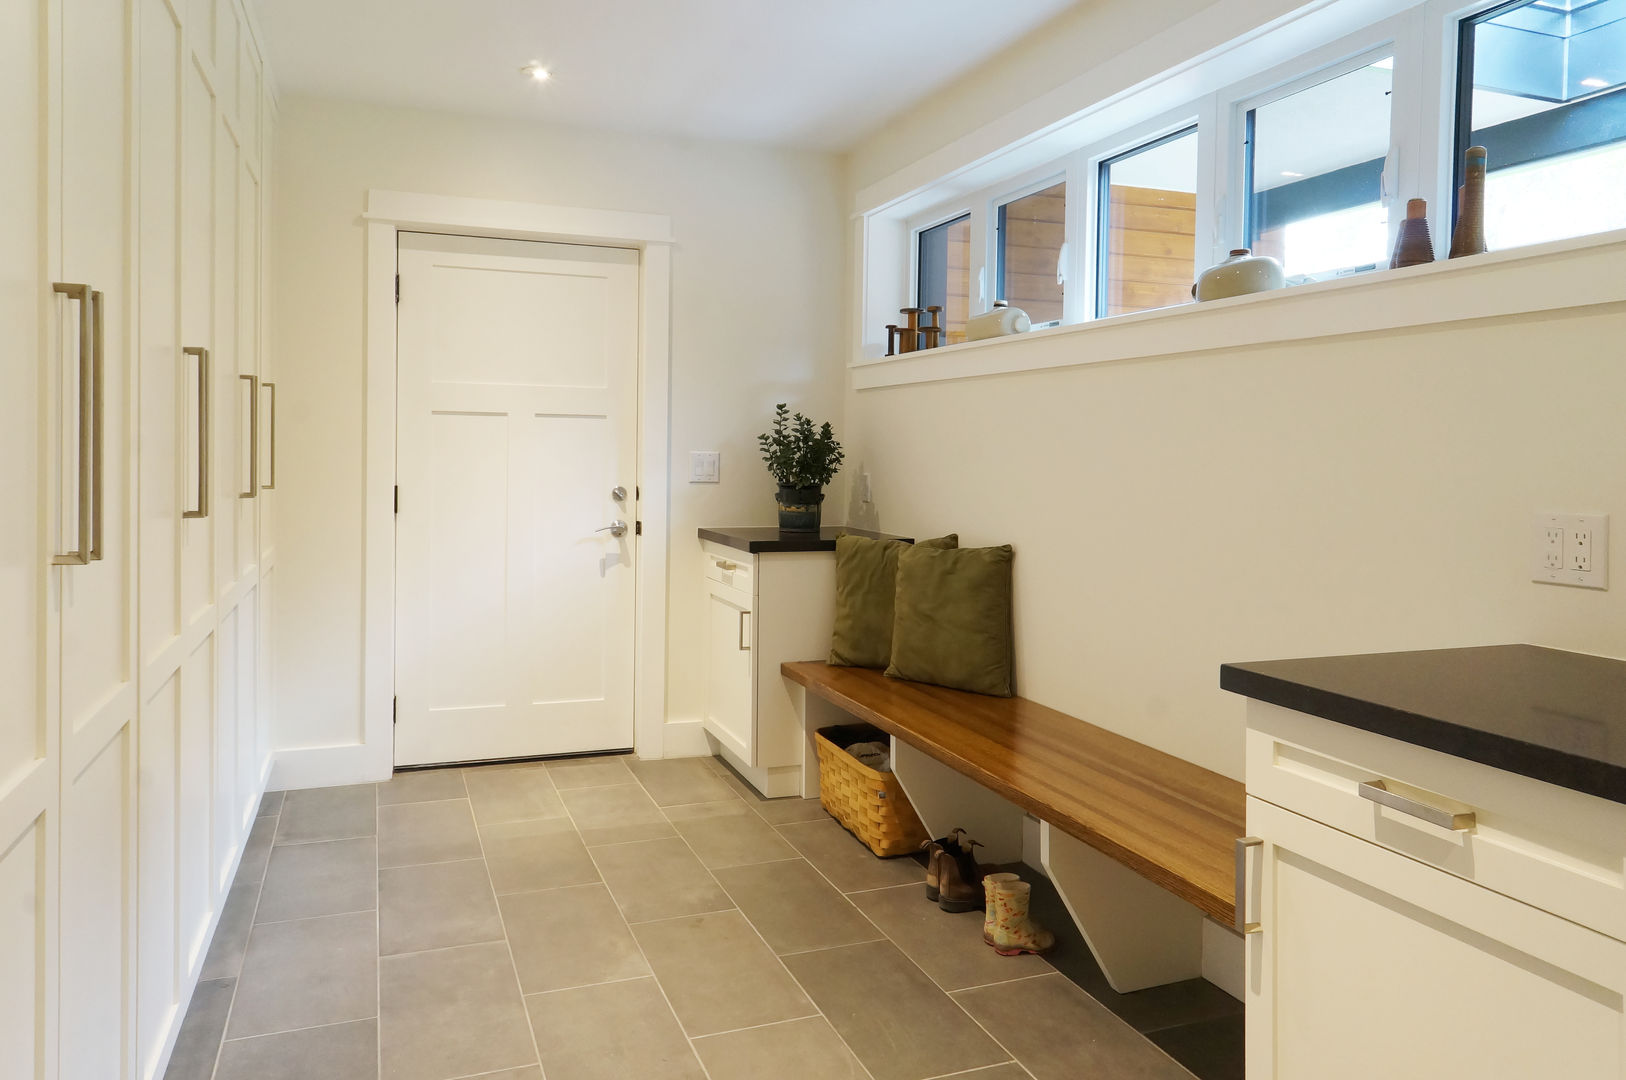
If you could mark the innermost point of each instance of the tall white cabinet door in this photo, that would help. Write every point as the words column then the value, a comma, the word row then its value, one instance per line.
column 233, row 398
column 92, row 605
column 197, row 314
column 29, row 760
column 1364, row 956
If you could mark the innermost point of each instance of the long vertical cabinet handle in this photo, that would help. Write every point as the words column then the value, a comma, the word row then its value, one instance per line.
column 271, row 484
column 1243, row 924
column 745, row 645
column 98, row 450
column 80, row 555
column 253, row 491
column 205, row 431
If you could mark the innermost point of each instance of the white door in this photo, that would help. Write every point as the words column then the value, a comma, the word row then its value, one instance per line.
column 1365, row 955
column 515, row 450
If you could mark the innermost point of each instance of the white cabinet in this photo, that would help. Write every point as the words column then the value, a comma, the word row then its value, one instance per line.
column 1449, row 949
column 119, row 822
column 761, row 610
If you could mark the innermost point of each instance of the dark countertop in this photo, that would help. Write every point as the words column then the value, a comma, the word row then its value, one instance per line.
column 759, row 539
column 1544, row 713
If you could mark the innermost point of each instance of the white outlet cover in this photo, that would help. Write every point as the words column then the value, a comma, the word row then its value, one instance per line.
column 704, row 466
column 1597, row 525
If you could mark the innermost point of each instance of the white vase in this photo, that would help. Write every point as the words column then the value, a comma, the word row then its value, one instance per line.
column 1239, row 275
column 1002, row 319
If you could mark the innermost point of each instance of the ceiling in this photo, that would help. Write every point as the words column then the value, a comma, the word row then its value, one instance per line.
column 811, row 73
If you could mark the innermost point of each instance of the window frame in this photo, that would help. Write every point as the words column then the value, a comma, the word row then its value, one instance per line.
column 1031, row 183
column 1099, row 164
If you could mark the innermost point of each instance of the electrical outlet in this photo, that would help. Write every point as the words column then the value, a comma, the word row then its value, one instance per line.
column 704, row 466
column 1571, row 549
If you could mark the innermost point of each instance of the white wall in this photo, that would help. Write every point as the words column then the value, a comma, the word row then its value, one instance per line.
column 1352, row 494
column 756, row 319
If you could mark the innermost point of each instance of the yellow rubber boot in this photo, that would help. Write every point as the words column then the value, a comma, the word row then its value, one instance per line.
column 991, row 909
column 1014, row 932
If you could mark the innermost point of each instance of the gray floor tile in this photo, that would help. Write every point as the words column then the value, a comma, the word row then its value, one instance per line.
column 589, row 772
column 520, row 793
column 307, row 973
column 616, row 815
column 761, row 1052
column 327, row 877
column 270, row 803
column 901, row 1026
column 339, row 1052
column 847, row 863
column 257, row 849
column 199, row 1040
column 733, row 840
column 526, row 1072
column 543, row 854
column 658, row 879
column 1212, row 1049
column 1008, row 1071
column 436, row 906
column 335, row 813
column 451, row 1012
column 422, row 785
column 569, row 937
column 224, row 959
column 780, row 811
column 948, row 947
column 794, row 908
column 679, row 780
column 702, row 810
column 410, row 834
column 718, row 974
column 1058, row 1032
column 611, row 1032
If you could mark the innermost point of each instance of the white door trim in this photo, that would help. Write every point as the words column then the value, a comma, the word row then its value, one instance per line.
column 390, row 212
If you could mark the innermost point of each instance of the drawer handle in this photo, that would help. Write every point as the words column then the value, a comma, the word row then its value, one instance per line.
column 1377, row 791
column 726, row 567
column 1243, row 843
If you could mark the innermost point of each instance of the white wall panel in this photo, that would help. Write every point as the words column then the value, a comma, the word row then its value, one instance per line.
column 158, row 977
column 195, row 773
column 23, row 947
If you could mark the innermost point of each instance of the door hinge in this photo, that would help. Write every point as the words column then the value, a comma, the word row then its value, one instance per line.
column 397, row 498
column 637, row 528
column 397, row 288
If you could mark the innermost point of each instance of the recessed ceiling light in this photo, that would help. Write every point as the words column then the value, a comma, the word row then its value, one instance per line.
column 1295, row 175
column 1595, row 83
column 536, row 71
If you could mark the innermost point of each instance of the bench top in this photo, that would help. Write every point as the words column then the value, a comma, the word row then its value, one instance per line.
column 1173, row 822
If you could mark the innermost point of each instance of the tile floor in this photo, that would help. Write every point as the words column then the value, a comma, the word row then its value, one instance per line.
column 605, row 919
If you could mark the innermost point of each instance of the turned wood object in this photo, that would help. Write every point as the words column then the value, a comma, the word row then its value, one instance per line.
column 1469, row 236
column 1414, row 245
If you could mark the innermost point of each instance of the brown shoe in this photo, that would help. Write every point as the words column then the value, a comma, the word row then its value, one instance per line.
column 934, row 858
column 959, row 881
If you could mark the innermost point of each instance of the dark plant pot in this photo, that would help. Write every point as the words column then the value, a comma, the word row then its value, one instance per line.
column 799, row 509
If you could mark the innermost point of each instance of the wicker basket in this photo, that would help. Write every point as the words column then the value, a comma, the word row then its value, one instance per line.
column 870, row 804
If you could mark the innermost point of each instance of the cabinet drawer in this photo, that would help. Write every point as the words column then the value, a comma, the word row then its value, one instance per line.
column 1556, row 849
column 726, row 567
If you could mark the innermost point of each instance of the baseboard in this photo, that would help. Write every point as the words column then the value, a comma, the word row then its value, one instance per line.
column 328, row 766
column 683, row 738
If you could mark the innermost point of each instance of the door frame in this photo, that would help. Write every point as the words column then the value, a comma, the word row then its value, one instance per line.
column 389, row 213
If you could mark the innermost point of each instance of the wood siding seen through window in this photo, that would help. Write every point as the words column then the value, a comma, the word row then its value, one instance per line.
column 1032, row 230
column 1151, row 249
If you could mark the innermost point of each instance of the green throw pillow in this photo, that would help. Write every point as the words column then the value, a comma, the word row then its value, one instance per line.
column 952, row 624
column 866, row 583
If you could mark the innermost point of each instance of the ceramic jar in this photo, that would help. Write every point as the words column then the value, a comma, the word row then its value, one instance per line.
column 1242, row 273
column 1002, row 319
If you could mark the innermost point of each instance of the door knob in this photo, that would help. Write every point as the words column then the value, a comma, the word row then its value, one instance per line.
column 614, row 528
column 618, row 493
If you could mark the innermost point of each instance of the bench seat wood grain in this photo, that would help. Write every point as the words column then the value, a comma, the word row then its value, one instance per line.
column 1173, row 822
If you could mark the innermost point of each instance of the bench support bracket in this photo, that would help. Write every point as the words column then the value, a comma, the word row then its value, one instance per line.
column 1141, row 935
column 945, row 799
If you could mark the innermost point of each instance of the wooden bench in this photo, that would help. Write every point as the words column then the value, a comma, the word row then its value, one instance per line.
column 1105, row 803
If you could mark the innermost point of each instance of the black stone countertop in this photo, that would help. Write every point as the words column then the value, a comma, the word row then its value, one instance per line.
column 1544, row 713
column 759, row 539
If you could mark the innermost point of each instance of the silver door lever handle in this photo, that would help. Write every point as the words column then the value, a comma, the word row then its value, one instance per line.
column 614, row 528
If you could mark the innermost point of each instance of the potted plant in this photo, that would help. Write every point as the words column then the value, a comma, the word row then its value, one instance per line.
column 803, row 460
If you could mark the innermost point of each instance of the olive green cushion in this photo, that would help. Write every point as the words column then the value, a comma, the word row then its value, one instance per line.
column 952, row 623
column 866, row 583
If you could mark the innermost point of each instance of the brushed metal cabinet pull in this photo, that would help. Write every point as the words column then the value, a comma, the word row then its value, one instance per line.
column 205, row 429
column 1377, row 791
column 253, row 491
column 745, row 645
column 98, row 448
column 1243, row 843
column 271, row 484
column 80, row 555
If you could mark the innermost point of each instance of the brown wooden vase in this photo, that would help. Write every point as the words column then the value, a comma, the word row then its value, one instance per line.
column 1415, row 244
column 1469, row 236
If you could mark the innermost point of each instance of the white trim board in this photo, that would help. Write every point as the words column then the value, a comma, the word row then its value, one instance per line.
column 388, row 214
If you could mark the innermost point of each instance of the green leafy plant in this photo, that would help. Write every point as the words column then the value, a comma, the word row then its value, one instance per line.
column 799, row 456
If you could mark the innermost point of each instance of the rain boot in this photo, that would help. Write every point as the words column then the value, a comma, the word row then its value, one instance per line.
column 990, row 909
column 1014, row 932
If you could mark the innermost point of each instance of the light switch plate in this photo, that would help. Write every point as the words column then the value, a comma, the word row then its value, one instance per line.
column 704, row 466
column 1570, row 549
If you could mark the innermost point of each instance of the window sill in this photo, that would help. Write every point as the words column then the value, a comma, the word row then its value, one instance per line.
column 1580, row 272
